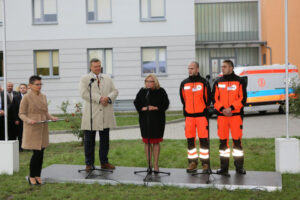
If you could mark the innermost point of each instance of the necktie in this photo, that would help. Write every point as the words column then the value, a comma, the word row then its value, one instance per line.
column 98, row 81
column 10, row 96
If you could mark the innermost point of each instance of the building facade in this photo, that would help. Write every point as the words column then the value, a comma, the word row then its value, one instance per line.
column 57, row 38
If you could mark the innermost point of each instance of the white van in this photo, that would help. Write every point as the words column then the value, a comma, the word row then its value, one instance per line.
column 266, row 86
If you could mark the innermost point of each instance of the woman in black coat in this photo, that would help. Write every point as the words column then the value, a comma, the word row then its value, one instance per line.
column 155, row 99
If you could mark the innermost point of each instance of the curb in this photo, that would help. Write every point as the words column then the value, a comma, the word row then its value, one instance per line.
column 117, row 128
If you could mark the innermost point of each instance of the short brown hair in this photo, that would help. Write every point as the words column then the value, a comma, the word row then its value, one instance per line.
column 229, row 62
column 23, row 84
column 34, row 78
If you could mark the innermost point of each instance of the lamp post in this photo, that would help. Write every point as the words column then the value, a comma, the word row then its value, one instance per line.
column 286, row 67
column 4, row 69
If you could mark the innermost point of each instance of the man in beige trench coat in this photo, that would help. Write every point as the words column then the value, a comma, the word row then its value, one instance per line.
column 103, row 95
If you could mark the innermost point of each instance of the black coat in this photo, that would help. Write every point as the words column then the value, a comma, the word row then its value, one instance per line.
column 12, row 115
column 157, row 118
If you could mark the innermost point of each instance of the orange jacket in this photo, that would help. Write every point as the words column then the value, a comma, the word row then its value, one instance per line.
column 195, row 96
column 229, row 91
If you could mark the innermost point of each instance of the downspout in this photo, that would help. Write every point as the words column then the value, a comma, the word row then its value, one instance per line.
column 270, row 49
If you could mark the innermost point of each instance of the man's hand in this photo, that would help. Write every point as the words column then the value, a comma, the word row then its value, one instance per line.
column 17, row 122
column 104, row 101
column 227, row 112
column 1, row 112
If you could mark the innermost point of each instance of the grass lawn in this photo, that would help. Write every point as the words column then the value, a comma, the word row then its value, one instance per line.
column 122, row 118
column 259, row 156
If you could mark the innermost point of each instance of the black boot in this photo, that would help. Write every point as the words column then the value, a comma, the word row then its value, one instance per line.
column 239, row 165
column 224, row 166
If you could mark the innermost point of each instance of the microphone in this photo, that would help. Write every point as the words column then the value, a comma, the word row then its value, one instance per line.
column 91, row 81
column 147, row 94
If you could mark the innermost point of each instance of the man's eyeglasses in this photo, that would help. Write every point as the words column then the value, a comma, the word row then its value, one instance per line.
column 38, row 84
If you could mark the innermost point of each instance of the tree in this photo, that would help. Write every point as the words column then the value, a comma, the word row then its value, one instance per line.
column 74, row 119
column 295, row 100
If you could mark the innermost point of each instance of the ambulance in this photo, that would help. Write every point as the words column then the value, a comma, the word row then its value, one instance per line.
column 266, row 86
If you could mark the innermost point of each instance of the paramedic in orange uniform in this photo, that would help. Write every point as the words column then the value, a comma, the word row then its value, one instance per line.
column 195, row 96
column 229, row 97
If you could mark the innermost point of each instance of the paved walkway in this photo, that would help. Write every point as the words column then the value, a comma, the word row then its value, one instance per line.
column 255, row 126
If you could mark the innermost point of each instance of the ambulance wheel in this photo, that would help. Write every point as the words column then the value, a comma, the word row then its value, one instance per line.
column 262, row 112
column 281, row 109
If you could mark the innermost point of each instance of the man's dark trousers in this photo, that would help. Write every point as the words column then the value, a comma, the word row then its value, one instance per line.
column 89, row 146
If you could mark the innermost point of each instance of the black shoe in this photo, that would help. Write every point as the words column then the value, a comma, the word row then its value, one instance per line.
column 223, row 172
column 240, row 171
column 30, row 182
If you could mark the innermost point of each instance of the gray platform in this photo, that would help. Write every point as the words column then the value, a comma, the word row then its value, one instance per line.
column 253, row 180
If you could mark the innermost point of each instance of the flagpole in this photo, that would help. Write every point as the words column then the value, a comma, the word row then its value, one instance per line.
column 286, row 68
column 4, row 69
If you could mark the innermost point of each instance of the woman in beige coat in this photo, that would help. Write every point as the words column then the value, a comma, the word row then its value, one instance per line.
column 34, row 108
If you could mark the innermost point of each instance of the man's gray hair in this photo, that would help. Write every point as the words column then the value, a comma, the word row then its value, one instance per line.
column 93, row 60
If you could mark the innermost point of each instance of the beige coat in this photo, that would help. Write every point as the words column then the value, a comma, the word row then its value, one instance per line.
column 103, row 116
column 34, row 107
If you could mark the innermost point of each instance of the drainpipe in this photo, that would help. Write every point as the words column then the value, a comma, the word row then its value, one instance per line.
column 270, row 53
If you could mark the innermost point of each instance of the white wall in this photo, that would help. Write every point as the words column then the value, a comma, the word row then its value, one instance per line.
column 125, row 35
column 72, row 21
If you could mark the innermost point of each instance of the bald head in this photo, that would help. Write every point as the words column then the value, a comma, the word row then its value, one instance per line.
column 193, row 68
column 9, row 87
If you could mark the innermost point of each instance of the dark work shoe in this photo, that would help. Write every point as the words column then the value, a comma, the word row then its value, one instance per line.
column 192, row 167
column 206, row 169
column 240, row 171
column 88, row 168
column 107, row 166
column 223, row 172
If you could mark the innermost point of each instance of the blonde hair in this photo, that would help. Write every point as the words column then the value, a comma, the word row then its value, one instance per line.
column 156, row 83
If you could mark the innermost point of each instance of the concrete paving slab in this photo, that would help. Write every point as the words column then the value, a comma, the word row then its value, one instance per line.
column 253, row 180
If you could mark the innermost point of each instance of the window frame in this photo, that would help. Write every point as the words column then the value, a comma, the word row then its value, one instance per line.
column 102, row 61
column 2, row 77
column 150, row 18
column 156, row 60
column 1, row 21
column 97, row 21
column 43, row 22
column 51, row 76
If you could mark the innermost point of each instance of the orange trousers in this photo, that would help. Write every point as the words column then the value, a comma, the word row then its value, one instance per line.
column 234, row 123
column 193, row 123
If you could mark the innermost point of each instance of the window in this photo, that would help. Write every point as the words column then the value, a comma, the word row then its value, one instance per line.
column 235, row 21
column 44, row 12
column 99, row 10
column 105, row 56
column 47, row 63
column 152, row 10
column 154, row 60
column 1, row 12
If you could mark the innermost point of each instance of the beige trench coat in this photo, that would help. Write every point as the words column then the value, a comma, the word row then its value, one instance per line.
column 103, row 116
column 34, row 107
